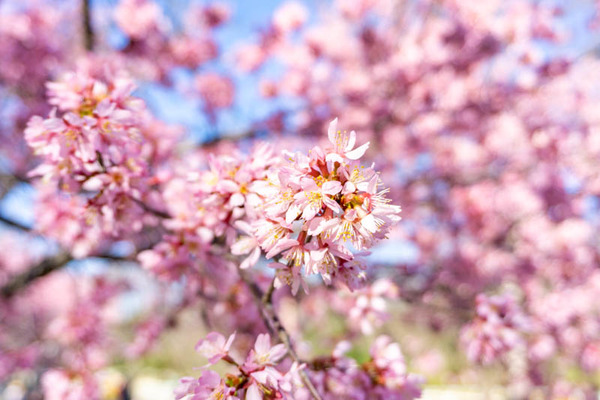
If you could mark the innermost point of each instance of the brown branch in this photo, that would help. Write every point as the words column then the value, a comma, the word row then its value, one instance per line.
column 234, row 137
column 147, row 208
column 7, row 182
column 54, row 263
column 88, row 30
column 14, row 224
column 265, row 305
column 45, row 267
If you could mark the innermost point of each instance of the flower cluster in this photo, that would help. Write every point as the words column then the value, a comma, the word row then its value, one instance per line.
column 366, row 309
column 333, row 205
column 97, row 145
column 155, row 47
column 255, row 379
column 96, row 136
column 216, row 91
column 495, row 330
column 224, row 199
column 383, row 376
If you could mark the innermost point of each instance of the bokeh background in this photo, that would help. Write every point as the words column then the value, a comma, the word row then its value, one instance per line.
column 484, row 118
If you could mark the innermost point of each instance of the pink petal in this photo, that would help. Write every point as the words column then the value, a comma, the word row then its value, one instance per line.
column 350, row 215
column 237, row 200
column 229, row 341
column 262, row 344
column 334, row 157
column 349, row 187
column 310, row 211
column 372, row 187
column 318, row 255
column 251, row 260
column 331, row 187
column 277, row 352
column 292, row 213
column 332, row 204
column 316, row 225
column 253, row 393
column 282, row 245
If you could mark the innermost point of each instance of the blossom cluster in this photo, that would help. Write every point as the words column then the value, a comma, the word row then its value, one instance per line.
column 323, row 206
column 210, row 205
column 383, row 376
column 155, row 47
column 497, row 175
column 367, row 309
column 96, row 148
column 96, row 135
column 319, row 212
column 256, row 378
column 495, row 330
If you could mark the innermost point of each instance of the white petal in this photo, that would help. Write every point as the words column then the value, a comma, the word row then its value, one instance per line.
column 331, row 132
column 358, row 152
column 351, row 141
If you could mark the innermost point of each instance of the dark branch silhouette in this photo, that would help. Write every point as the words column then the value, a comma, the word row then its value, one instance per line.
column 88, row 30
column 45, row 267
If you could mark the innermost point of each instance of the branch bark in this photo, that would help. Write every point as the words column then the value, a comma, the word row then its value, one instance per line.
column 264, row 302
column 45, row 267
column 14, row 224
column 54, row 263
column 88, row 30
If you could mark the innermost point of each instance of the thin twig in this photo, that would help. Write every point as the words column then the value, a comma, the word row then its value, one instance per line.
column 151, row 210
column 265, row 305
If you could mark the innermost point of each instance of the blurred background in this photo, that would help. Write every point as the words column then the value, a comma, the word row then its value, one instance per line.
column 484, row 118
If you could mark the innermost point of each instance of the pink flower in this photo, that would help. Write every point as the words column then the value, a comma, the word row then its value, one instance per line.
column 343, row 145
column 137, row 18
column 289, row 275
column 314, row 194
column 249, row 57
column 254, row 393
column 263, row 354
column 216, row 90
column 215, row 14
column 60, row 385
column 215, row 347
column 289, row 16
column 273, row 237
column 495, row 330
column 387, row 355
column 246, row 245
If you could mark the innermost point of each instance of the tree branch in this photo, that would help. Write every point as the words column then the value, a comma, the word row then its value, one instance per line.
column 265, row 305
column 14, row 224
column 88, row 30
column 147, row 208
column 43, row 268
